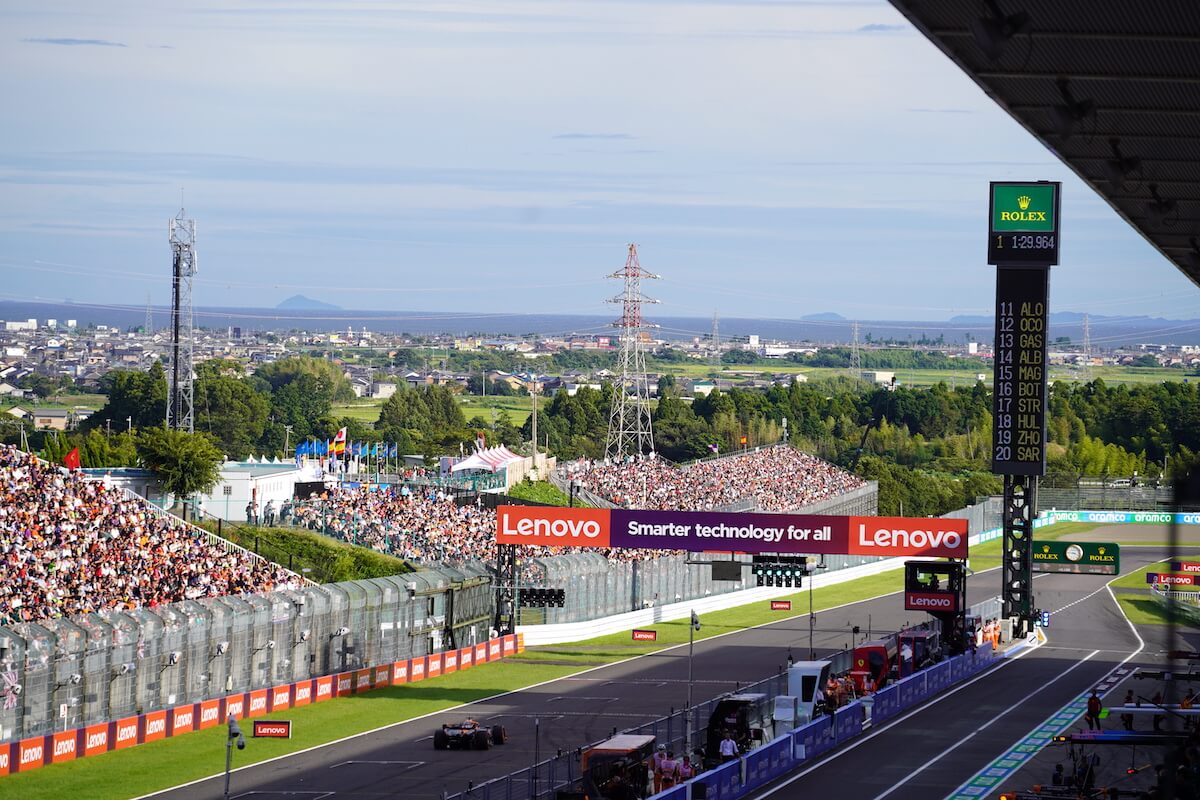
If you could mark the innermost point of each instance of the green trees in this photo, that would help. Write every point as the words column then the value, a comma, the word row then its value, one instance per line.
column 228, row 408
column 186, row 463
column 427, row 420
column 134, row 398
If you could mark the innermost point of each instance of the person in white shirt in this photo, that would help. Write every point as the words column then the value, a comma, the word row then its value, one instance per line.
column 729, row 748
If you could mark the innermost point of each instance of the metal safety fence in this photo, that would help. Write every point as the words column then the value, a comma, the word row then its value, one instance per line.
column 66, row 673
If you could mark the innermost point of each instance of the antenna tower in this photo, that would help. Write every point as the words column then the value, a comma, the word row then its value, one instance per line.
column 629, row 429
column 182, row 235
column 149, row 329
column 715, row 356
column 855, row 357
column 1087, row 348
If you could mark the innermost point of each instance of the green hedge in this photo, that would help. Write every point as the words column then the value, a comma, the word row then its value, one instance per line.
column 327, row 559
column 541, row 492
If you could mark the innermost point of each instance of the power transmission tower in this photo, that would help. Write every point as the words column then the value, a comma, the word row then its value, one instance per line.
column 1087, row 348
column 149, row 329
column 629, row 428
column 714, row 356
column 855, row 358
column 183, row 255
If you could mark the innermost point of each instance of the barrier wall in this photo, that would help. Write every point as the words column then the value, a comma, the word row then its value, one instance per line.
column 806, row 744
column 36, row 751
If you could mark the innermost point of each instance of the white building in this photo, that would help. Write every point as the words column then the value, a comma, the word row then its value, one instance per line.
column 242, row 481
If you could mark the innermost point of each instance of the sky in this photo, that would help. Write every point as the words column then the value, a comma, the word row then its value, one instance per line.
column 770, row 159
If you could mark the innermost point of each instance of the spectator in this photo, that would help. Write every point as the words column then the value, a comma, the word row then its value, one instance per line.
column 778, row 478
column 70, row 546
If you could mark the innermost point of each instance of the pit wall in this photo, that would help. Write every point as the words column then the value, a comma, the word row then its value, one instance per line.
column 807, row 744
column 38, row 751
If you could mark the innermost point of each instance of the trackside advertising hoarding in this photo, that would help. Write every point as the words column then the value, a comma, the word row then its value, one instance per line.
column 699, row 531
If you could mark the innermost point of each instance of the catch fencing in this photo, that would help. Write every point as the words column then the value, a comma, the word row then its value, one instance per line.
column 67, row 673
column 1119, row 493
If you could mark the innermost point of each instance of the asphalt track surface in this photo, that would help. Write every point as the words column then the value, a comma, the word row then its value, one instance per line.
column 400, row 761
column 926, row 754
column 933, row 751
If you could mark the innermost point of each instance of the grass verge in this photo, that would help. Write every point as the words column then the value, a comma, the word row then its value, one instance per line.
column 542, row 492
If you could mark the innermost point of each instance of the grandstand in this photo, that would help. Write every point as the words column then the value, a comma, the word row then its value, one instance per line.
column 770, row 479
column 72, row 546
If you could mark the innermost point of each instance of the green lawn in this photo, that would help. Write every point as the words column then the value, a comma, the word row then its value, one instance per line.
column 1145, row 610
column 363, row 410
column 515, row 409
column 542, row 492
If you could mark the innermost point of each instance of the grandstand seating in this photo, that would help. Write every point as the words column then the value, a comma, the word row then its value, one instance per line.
column 69, row 546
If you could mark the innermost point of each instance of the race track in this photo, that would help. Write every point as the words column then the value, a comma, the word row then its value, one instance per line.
column 928, row 753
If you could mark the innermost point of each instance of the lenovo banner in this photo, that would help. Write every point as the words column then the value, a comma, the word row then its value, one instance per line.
column 931, row 601
column 1172, row 580
column 1185, row 566
column 272, row 729
column 781, row 605
column 643, row 635
column 698, row 531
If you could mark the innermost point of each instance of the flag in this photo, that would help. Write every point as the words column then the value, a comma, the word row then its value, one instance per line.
column 12, row 690
column 320, row 448
column 71, row 459
column 300, row 450
column 743, row 440
column 339, row 442
column 714, row 448
column 394, row 450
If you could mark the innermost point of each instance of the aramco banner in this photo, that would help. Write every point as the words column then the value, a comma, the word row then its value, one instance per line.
column 699, row 531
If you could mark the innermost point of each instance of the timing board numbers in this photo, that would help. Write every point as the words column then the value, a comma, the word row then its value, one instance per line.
column 1019, row 390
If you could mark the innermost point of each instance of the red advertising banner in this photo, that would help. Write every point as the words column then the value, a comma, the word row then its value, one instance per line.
column 781, row 605
column 324, row 689
column 281, row 698
column 449, row 662
column 494, row 649
column 400, row 672
column 930, row 601
column 95, row 739
column 154, row 726
column 520, row 643
column 257, row 703
column 1172, row 580
column 640, row 635
column 343, row 684
column 272, row 729
column 481, row 653
column 63, row 746
column 465, row 657
column 383, row 675
column 362, row 680
column 125, row 733
column 235, row 706
column 510, row 643
column 31, row 753
column 183, row 719
column 210, row 714
column 5, row 759
column 304, row 693
column 1185, row 566
column 433, row 665
column 416, row 670
column 747, row 533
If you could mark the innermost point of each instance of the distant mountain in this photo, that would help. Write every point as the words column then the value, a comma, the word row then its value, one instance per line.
column 299, row 302
column 824, row 316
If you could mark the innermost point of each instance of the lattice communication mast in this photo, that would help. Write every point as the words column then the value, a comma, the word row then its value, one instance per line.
column 629, row 429
column 180, row 414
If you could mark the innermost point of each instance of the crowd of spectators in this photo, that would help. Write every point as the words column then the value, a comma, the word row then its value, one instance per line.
column 70, row 545
column 424, row 526
column 775, row 479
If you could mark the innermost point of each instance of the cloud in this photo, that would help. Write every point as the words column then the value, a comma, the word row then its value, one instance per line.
column 940, row 110
column 76, row 42
column 608, row 136
column 877, row 27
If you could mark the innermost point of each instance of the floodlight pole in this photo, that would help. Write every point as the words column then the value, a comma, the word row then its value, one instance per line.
column 233, row 733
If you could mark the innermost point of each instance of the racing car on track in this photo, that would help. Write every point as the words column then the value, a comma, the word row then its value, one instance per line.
column 468, row 735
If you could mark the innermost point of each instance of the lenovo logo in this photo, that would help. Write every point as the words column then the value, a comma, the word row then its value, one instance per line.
column 585, row 527
column 234, row 708
column 282, row 696
column 344, row 684
column 32, row 755
column 258, row 704
column 64, row 747
column 155, row 726
column 303, row 693
column 183, row 719
column 95, row 740
column 901, row 536
column 211, row 714
column 126, row 732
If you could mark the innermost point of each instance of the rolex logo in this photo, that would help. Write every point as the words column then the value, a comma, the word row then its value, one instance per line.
column 1023, row 202
column 1101, row 550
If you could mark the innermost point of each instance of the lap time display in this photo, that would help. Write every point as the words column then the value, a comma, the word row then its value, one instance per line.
column 1023, row 223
